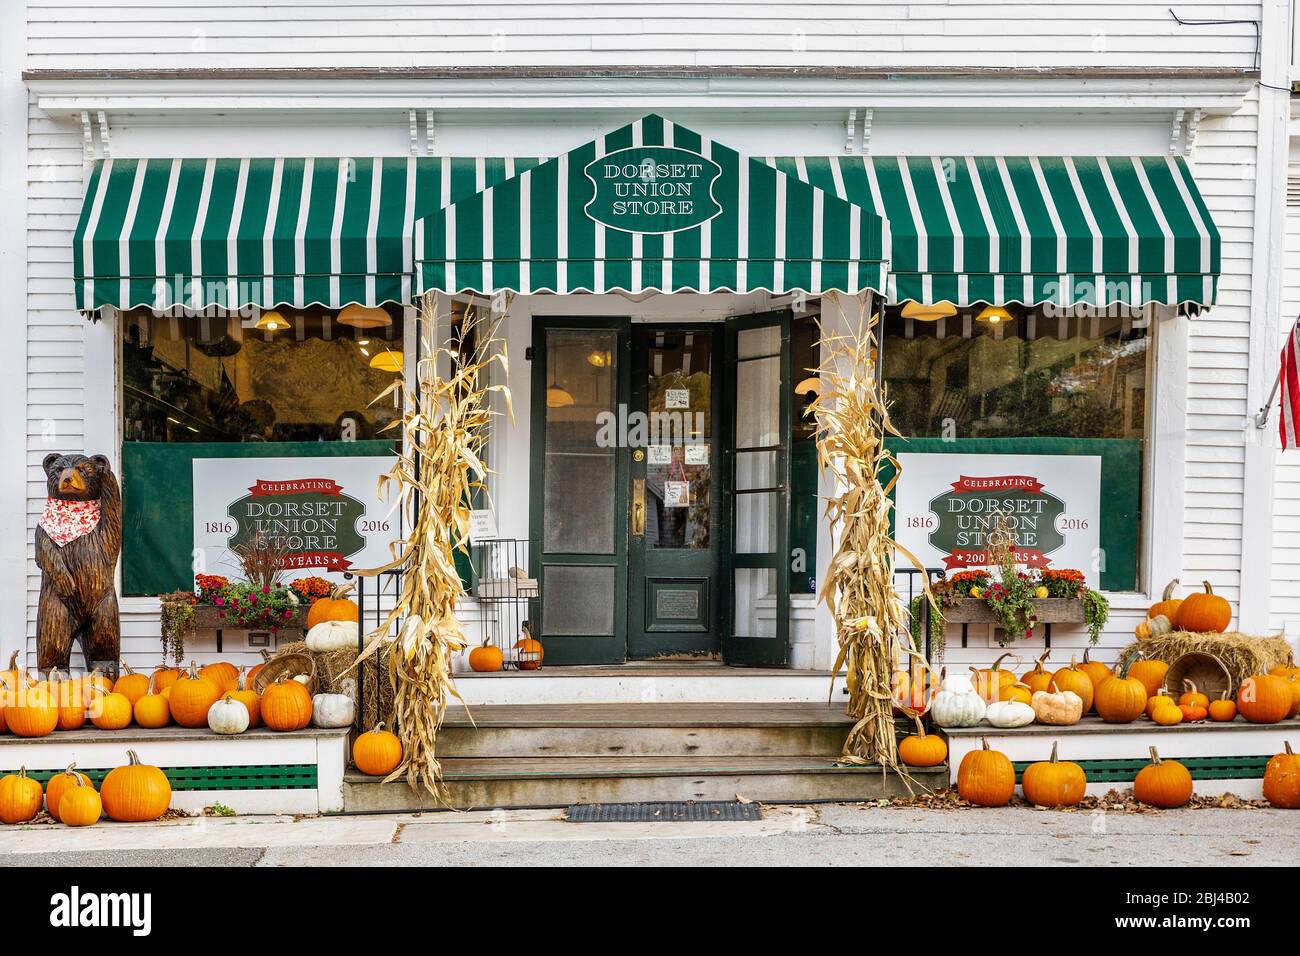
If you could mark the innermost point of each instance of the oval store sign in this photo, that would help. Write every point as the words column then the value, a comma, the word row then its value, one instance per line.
column 652, row 189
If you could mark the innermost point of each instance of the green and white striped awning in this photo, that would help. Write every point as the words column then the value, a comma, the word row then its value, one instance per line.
column 542, row 231
column 1066, row 230
column 234, row 233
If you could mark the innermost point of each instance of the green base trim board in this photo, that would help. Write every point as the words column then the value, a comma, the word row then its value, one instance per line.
column 1201, row 768
column 259, row 777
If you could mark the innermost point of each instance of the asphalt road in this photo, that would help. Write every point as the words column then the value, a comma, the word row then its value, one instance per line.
column 829, row 835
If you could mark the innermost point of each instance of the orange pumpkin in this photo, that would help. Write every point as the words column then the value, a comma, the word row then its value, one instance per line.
column 1204, row 612
column 990, row 681
column 1168, row 605
column 1074, row 678
column 530, row 654
column 81, row 805
column 243, row 692
column 191, row 697
column 377, row 752
column 152, row 710
column 1159, row 700
column 337, row 607
column 14, row 676
column 1282, row 779
column 1054, row 783
column 70, row 700
column 1282, row 670
column 1120, row 699
column 164, row 677
column 921, row 749
column 1166, row 713
column 131, row 685
column 1039, row 677
column 1264, row 699
column 914, row 688
column 1223, row 709
column 111, row 711
column 1096, row 671
column 97, row 682
column 1191, row 695
column 135, row 793
column 286, row 705
column 1017, row 691
column 59, row 785
column 985, row 777
column 31, row 711
column 220, row 673
column 486, row 658
column 1163, row 783
column 1150, row 672
column 20, row 797
column 1192, row 713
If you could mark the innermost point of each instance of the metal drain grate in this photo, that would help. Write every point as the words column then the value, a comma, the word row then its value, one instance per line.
column 689, row 812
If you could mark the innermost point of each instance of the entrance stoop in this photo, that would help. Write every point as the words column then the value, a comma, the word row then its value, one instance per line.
column 555, row 755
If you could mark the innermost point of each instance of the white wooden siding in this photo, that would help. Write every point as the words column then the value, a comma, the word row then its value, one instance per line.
column 135, row 34
column 1284, row 608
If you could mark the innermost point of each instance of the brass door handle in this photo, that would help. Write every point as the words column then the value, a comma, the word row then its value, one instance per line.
column 638, row 507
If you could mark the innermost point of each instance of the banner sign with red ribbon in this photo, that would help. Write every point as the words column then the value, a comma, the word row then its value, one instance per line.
column 324, row 511
column 946, row 505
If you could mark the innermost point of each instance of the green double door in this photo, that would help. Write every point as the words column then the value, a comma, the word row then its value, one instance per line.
column 660, row 476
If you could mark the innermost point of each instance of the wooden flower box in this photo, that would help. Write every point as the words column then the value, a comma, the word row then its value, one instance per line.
column 207, row 617
column 1050, row 611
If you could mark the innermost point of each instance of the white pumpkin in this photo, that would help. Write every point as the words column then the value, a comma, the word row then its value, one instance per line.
column 332, row 636
column 333, row 710
column 1009, row 713
column 228, row 716
column 956, row 707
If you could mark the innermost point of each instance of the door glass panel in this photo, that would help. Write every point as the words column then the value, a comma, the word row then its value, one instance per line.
column 756, row 470
column 758, row 402
column 756, row 522
column 759, row 342
column 578, row 600
column 679, row 465
column 755, row 602
column 579, row 473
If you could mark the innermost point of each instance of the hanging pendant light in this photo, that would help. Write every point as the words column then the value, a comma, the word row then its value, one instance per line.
column 557, row 397
column 387, row 361
column 272, row 321
column 994, row 314
column 365, row 317
column 928, row 313
column 811, row 384
column 600, row 359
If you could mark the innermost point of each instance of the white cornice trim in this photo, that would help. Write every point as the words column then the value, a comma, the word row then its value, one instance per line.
column 1213, row 95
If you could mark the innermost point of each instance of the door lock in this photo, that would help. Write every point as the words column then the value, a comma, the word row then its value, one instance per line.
column 638, row 455
column 638, row 507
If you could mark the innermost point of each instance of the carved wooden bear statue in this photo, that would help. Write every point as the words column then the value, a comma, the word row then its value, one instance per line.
column 78, row 540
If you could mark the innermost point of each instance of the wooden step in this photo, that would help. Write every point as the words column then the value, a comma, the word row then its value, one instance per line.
column 560, row 781
column 644, row 730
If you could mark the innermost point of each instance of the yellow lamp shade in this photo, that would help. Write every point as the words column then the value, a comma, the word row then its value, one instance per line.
column 365, row 317
column 994, row 314
column 387, row 361
column 272, row 321
column 811, row 384
column 928, row 313
column 557, row 397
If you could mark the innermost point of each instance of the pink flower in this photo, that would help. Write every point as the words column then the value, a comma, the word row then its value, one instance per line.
column 221, row 601
column 252, row 599
column 266, row 589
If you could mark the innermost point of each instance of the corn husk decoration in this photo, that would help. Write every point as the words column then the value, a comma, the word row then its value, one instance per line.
column 445, row 426
column 852, row 421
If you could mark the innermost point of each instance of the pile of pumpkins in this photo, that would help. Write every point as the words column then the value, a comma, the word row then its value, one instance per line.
column 132, row 793
column 1117, row 695
column 987, row 778
column 1202, row 612
column 218, row 696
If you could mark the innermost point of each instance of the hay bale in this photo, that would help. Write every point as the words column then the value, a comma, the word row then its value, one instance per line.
column 1241, row 654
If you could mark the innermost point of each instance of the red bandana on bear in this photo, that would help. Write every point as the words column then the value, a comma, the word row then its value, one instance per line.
column 66, row 521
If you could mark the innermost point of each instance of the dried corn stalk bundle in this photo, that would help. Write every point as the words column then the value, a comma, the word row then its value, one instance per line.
column 440, row 471
column 852, row 421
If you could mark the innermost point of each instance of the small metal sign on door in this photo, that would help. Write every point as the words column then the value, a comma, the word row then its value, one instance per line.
column 652, row 189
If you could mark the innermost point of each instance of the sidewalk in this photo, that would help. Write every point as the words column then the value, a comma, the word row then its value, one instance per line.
column 832, row 834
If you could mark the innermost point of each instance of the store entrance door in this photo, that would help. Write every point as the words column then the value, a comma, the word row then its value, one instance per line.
column 673, row 541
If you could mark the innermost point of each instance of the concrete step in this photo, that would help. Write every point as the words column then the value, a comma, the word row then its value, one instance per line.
column 644, row 730
column 641, row 682
column 512, row 783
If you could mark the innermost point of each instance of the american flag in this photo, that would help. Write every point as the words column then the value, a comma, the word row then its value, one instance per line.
column 1289, row 380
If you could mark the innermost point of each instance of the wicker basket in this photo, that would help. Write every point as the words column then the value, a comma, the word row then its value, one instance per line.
column 289, row 666
column 1206, row 671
